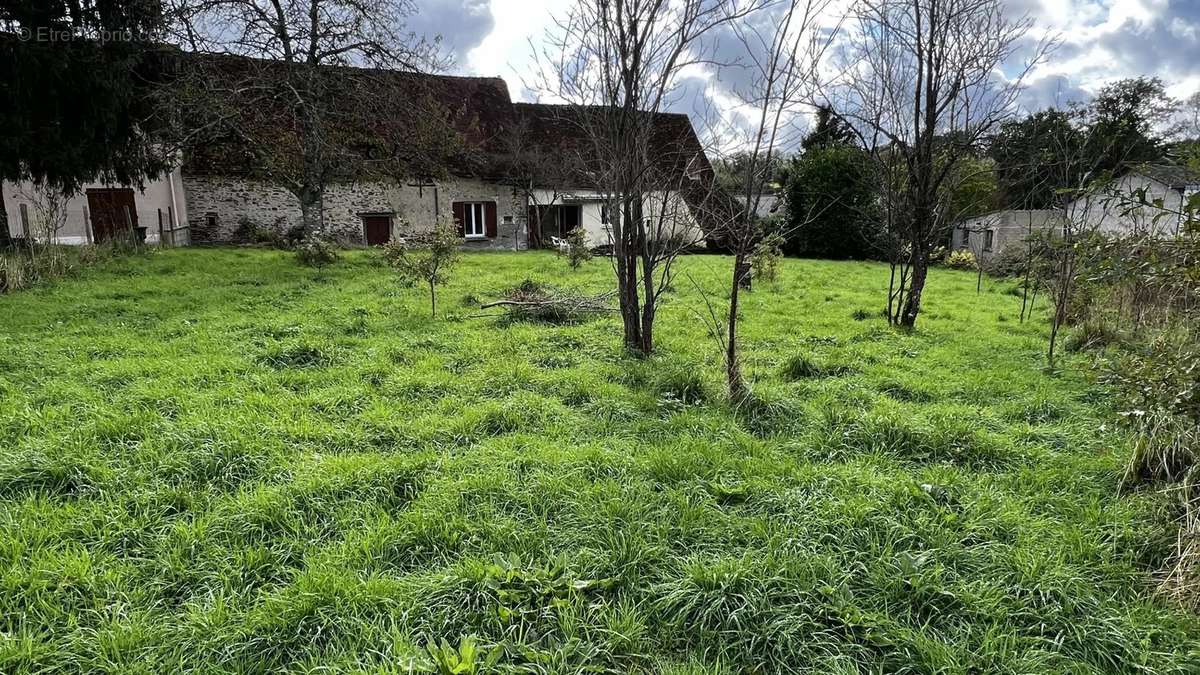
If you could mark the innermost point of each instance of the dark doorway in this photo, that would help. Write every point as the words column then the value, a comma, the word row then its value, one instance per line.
column 552, row 221
column 570, row 216
column 112, row 211
column 377, row 229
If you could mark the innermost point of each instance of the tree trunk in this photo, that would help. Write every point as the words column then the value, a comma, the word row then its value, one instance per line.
column 646, row 346
column 310, row 217
column 742, row 271
column 626, row 252
column 432, row 300
column 733, row 366
column 891, row 313
column 649, row 310
column 1062, row 297
column 1025, row 285
column 5, row 233
column 916, row 285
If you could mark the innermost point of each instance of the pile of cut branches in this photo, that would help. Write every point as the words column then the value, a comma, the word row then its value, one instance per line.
column 534, row 301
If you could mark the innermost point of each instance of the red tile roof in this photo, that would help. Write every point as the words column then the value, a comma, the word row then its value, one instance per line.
column 487, row 126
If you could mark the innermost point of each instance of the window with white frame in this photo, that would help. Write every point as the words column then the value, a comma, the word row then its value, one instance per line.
column 474, row 224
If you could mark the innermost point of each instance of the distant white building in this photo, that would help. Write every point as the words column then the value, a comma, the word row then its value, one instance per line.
column 987, row 235
column 1110, row 209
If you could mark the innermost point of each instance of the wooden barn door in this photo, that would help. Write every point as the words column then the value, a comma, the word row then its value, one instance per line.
column 112, row 211
column 377, row 229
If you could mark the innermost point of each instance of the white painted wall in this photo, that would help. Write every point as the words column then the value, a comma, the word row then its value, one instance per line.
column 163, row 194
column 675, row 214
column 1105, row 211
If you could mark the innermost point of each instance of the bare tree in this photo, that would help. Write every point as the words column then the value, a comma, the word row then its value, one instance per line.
column 49, row 201
column 921, row 83
column 781, row 48
column 618, row 63
column 538, row 175
column 291, row 108
column 1082, row 188
column 50, row 214
column 1189, row 125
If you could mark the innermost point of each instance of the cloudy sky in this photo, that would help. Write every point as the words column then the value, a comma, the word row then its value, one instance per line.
column 1101, row 40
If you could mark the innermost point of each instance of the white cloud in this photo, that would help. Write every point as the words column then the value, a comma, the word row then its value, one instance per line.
column 1102, row 40
column 508, row 50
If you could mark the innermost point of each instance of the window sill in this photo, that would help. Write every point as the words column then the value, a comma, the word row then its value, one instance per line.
column 476, row 237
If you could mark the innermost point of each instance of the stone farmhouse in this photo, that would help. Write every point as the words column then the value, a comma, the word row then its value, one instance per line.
column 1105, row 210
column 520, row 178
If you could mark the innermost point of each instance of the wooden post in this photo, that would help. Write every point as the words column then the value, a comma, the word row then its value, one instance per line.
column 25, row 223
column 128, row 221
column 88, row 235
column 161, row 240
column 171, row 220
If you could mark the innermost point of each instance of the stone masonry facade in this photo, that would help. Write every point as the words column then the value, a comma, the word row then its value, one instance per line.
column 216, row 205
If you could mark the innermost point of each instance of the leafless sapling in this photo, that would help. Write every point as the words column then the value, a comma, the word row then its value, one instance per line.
column 919, row 80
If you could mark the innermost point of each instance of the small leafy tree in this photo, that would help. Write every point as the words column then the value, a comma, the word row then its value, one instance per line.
column 578, row 251
column 426, row 259
column 764, row 261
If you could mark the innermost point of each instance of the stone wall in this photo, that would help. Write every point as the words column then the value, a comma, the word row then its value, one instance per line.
column 216, row 204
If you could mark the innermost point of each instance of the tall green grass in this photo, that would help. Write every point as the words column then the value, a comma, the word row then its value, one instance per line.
column 217, row 460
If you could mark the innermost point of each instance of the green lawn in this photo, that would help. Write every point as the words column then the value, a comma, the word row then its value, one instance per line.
column 216, row 460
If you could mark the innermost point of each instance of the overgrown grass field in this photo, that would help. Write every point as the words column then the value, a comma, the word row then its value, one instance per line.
column 217, row 460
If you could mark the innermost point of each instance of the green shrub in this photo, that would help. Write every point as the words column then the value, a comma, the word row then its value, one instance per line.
column 577, row 251
column 679, row 383
column 801, row 367
column 764, row 261
column 315, row 251
column 426, row 259
column 1093, row 333
column 250, row 232
column 27, row 265
column 961, row 260
column 1011, row 261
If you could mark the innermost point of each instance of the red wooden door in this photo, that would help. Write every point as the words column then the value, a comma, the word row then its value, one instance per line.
column 112, row 211
column 377, row 229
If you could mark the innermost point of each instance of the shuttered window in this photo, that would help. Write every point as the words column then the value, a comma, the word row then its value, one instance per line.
column 473, row 223
column 476, row 220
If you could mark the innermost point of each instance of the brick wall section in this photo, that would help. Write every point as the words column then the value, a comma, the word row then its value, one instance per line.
column 267, row 205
